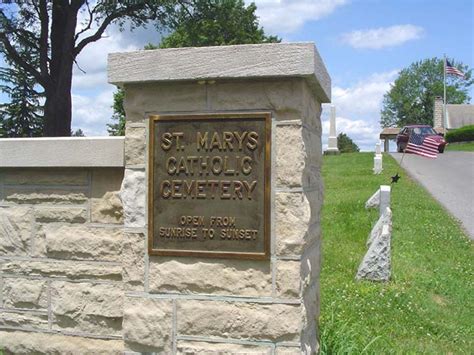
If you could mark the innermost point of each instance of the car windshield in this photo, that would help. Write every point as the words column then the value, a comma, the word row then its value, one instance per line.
column 424, row 131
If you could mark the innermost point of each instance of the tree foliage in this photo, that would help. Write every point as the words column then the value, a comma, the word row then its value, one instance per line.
column 203, row 23
column 118, row 128
column 411, row 97
column 22, row 115
column 78, row 133
column 216, row 23
column 51, row 31
column 346, row 144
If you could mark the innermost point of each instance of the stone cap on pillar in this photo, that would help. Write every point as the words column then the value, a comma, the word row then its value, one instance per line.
column 248, row 61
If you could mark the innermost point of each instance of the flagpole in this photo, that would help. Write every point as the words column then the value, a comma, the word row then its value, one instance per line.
column 445, row 119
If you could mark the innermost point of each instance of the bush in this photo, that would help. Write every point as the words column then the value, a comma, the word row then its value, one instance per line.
column 463, row 134
column 345, row 144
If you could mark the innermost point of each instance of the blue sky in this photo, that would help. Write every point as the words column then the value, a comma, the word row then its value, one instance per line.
column 364, row 43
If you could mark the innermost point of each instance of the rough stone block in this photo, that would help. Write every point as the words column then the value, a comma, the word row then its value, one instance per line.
column 288, row 278
column 290, row 155
column 87, row 307
column 108, row 209
column 291, row 222
column 374, row 200
column 63, row 268
column 106, row 206
column 135, row 145
column 384, row 219
column 133, row 198
column 229, row 277
column 15, row 230
column 148, row 325
column 283, row 97
column 239, row 320
column 376, row 263
column 186, row 347
column 61, row 214
column 25, row 293
column 51, row 176
column 133, row 261
column 18, row 342
column 161, row 97
column 285, row 350
column 83, row 243
column 45, row 195
column 23, row 319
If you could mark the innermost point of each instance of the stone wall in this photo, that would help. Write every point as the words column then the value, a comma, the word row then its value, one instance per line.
column 61, row 235
column 190, row 305
column 75, row 274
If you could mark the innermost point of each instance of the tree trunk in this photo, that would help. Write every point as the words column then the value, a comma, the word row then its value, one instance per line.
column 57, row 112
column 57, row 108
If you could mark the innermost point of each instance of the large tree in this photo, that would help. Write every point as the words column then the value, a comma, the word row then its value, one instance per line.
column 51, row 30
column 203, row 23
column 410, row 99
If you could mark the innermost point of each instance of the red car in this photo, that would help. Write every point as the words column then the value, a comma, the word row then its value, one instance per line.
column 424, row 130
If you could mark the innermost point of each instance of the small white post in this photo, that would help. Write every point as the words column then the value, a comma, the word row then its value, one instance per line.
column 384, row 198
column 378, row 164
column 332, row 140
column 378, row 149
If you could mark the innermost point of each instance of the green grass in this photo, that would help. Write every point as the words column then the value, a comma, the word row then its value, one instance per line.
column 468, row 146
column 427, row 307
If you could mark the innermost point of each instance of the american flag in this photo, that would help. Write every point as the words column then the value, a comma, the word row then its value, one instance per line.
column 426, row 147
column 453, row 70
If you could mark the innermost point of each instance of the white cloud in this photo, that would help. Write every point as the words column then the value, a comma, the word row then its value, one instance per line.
column 364, row 99
column 92, row 113
column 287, row 16
column 358, row 109
column 383, row 37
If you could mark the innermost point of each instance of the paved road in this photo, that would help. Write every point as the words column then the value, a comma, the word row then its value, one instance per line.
column 450, row 179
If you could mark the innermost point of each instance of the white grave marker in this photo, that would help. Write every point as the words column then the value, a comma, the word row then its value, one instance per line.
column 332, row 140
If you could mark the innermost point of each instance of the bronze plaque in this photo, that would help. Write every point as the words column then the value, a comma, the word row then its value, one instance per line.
column 209, row 185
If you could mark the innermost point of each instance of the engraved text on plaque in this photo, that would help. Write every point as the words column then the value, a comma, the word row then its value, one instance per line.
column 209, row 185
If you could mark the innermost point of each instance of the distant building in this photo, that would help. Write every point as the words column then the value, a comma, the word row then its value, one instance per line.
column 457, row 116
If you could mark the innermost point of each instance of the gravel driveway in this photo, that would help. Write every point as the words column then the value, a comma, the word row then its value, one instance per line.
column 450, row 179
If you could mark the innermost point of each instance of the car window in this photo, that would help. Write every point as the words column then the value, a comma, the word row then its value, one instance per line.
column 417, row 130
column 427, row 131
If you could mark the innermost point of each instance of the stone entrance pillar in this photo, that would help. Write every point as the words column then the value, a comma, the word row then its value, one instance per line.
column 177, row 303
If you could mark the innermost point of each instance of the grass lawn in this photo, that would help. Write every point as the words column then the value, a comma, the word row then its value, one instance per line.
column 427, row 307
column 468, row 146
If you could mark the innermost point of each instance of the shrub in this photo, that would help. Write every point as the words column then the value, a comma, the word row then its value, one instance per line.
column 463, row 134
column 345, row 144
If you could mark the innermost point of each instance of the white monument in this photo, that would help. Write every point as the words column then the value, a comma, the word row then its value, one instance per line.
column 332, row 141
column 378, row 149
column 378, row 159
